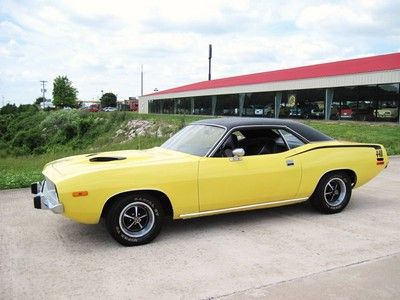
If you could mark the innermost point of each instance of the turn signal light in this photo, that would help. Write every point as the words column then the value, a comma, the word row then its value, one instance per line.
column 80, row 193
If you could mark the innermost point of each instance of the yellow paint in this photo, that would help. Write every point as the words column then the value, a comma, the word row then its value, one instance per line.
column 200, row 184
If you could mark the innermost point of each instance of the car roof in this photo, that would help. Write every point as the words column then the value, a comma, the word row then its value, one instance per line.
column 305, row 131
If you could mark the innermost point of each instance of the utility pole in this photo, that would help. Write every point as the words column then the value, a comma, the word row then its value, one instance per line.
column 141, row 81
column 209, row 61
column 43, row 90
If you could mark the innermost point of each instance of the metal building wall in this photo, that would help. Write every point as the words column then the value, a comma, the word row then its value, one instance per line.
column 385, row 77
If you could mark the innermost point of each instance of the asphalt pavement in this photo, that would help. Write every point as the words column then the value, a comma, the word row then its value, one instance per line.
column 289, row 252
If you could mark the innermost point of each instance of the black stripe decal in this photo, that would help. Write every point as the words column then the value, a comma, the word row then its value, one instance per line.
column 376, row 147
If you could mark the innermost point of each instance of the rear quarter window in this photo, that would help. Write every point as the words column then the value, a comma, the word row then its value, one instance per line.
column 291, row 140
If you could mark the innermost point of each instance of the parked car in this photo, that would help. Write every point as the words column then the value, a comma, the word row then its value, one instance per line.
column 345, row 112
column 363, row 113
column 387, row 113
column 109, row 108
column 209, row 167
column 93, row 108
column 317, row 112
column 303, row 111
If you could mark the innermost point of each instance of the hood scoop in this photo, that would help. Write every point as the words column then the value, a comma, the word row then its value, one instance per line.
column 106, row 158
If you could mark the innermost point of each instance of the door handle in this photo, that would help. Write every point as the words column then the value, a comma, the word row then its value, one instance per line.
column 290, row 162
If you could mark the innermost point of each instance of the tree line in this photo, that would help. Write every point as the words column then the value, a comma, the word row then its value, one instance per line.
column 65, row 95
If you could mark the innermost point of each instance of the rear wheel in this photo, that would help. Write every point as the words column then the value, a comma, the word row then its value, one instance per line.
column 135, row 219
column 332, row 193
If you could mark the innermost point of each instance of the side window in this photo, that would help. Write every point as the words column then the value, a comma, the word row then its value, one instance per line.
column 291, row 139
column 258, row 141
column 254, row 141
column 230, row 143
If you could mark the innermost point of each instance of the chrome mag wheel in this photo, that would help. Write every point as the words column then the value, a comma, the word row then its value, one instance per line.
column 136, row 219
column 335, row 191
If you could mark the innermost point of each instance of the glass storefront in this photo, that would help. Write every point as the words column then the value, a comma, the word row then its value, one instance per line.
column 202, row 105
column 227, row 105
column 259, row 105
column 366, row 103
column 183, row 106
column 154, row 106
column 360, row 103
column 303, row 104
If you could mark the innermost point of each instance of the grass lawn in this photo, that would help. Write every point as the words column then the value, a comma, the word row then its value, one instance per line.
column 17, row 172
column 381, row 133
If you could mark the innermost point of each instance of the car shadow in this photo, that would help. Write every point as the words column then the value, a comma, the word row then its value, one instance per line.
column 76, row 236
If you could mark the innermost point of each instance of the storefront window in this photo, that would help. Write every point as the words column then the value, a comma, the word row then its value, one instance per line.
column 259, row 105
column 202, row 105
column 388, row 103
column 360, row 103
column 303, row 104
column 227, row 105
column 154, row 106
column 182, row 106
column 366, row 103
column 167, row 106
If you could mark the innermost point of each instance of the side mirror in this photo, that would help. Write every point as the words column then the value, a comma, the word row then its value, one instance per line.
column 237, row 154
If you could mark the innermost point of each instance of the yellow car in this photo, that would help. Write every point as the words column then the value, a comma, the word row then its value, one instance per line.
column 209, row 167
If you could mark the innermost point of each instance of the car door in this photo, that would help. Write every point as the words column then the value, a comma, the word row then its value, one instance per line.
column 224, row 182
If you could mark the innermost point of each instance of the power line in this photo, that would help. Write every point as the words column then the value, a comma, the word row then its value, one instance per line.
column 141, row 81
column 43, row 90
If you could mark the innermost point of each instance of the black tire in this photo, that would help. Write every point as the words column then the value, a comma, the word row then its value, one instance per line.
column 332, row 194
column 135, row 219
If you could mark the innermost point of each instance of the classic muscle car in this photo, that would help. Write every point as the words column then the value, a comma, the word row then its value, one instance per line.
column 388, row 113
column 209, row 167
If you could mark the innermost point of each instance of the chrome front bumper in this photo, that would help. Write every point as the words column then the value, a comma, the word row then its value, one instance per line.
column 46, row 196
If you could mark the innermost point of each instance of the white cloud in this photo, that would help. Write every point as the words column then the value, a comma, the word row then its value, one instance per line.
column 100, row 45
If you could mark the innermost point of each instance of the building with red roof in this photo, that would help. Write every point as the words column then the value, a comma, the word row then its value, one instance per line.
column 359, row 89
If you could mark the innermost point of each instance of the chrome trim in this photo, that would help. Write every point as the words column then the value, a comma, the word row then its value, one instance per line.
column 238, row 208
column 290, row 162
column 48, row 197
column 222, row 136
column 277, row 127
column 237, row 153
column 212, row 147
column 136, row 219
column 334, row 192
column 283, row 138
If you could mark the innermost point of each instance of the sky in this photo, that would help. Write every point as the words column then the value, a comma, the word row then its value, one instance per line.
column 101, row 45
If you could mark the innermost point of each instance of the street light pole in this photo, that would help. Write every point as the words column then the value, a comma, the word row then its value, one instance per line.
column 209, row 61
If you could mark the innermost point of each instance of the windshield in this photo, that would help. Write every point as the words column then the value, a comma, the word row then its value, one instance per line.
column 194, row 139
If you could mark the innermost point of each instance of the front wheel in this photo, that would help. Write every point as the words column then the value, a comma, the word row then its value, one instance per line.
column 135, row 219
column 332, row 193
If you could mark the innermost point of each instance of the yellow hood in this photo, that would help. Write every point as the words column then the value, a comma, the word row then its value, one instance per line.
column 86, row 163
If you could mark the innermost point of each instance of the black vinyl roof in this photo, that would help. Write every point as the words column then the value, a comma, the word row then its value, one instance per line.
column 303, row 130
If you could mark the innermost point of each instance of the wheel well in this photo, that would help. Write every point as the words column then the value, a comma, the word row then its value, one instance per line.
column 164, row 201
column 350, row 173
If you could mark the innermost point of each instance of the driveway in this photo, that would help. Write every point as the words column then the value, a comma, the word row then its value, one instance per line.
column 281, row 253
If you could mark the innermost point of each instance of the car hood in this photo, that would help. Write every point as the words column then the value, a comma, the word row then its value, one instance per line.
column 87, row 163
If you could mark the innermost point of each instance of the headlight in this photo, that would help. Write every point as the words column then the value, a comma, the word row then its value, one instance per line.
column 50, row 192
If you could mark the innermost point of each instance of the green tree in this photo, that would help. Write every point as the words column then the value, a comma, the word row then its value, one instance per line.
column 39, row 100
column 64, row 94
column 9, row 109
column 108, row 99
